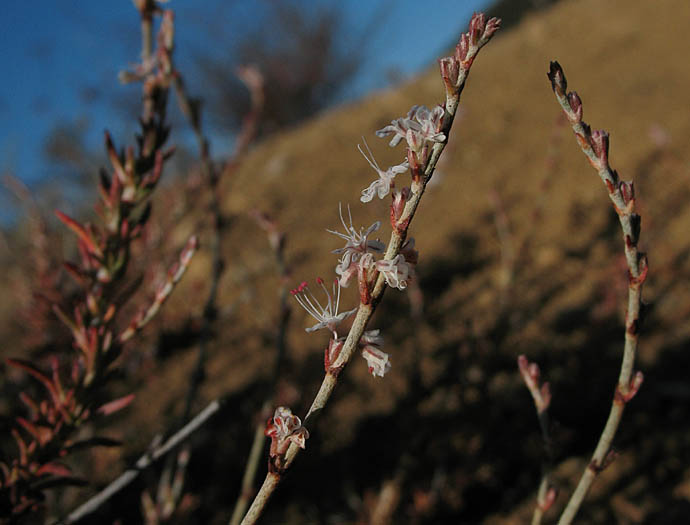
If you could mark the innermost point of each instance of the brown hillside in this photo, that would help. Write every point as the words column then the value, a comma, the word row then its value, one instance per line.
column 452, row 423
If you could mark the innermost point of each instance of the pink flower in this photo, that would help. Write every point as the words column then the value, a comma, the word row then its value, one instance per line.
column 284, row 428
column 397, row 271
column 420, row 125
column 357, row 245
column 383, row 184
column 327, row 316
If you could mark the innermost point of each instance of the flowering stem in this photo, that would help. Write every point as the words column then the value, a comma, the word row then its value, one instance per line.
column 480, row 33
column 595, row 146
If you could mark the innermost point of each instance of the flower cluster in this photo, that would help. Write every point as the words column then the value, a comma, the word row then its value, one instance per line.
column 419, row 128
column 357, row 244
column 421, row 125
column 284, row 428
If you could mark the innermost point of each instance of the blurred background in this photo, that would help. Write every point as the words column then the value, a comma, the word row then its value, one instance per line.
column 519, row 250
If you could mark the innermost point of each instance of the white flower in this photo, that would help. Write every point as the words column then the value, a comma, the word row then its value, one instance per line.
column 421, row 124
column 397, row 271
column 383, row 184
column 283, row 428
column 378, row 361
column 327, row 316
column 357, row 245
column 372, row 337
column 431, row 122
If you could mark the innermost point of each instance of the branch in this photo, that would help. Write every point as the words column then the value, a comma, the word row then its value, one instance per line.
column 143, row 463
column 595, row 145
column 277, row 241
column 546, row 494
column 454, row 71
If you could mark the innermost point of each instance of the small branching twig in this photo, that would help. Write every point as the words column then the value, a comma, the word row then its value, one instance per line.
column 191, row 108
column 426, row 133
column 143, row 463
column 276, row 239
column 542, row 399
column 595, row 145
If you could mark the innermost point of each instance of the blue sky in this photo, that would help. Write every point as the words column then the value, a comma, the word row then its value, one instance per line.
column 60, row 59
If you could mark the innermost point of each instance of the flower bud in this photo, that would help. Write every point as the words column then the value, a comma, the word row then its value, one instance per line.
column 491, row 27
column 600, row 145
column 627, row 190
column 575, row 106
column 450, row 69
column 398, row 204
column 462, row 48
column 477, row 25
column 557, row 78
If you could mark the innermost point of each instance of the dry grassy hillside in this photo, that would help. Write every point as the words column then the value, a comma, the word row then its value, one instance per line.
column 452, row 425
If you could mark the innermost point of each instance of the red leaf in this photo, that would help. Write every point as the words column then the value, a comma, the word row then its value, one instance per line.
column 55, row 469
column 81, row 232
column 28, row 367
column 40, row 433
column 114, row 406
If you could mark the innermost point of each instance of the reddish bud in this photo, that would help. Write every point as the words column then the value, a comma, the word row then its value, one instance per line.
column 600, row 145
column 332, row 353
column 398, row 204
column 576, row 106
column 627, row 190
column 450, row 70
column 549, row 498
column 363, row 279
column 557, row 78
column 462, row 48
column 492, row 26
column 477, row 24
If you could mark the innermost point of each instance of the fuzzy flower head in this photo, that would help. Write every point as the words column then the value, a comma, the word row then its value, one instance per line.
column 356, row 245
column 421, row 125
column 285, row 428
column 383, row 184
column 327, row 316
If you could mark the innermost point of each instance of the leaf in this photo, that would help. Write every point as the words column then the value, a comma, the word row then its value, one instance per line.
column 81, row 232
column 48, row 483
column 31, row 369
column 97, row 441
column 114, row 406
column 54, row 469
column 40, row 433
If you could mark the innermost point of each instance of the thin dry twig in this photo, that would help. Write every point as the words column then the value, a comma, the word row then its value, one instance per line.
column 277, row 241
column 454, row 71
column 595, row 145
column 546, row 494
column 143, row 463
column 191, row 108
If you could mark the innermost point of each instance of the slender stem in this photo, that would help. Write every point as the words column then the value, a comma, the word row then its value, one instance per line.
column 365, row 311
column 144, row 462
column 595, row 147
column 255, row 455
